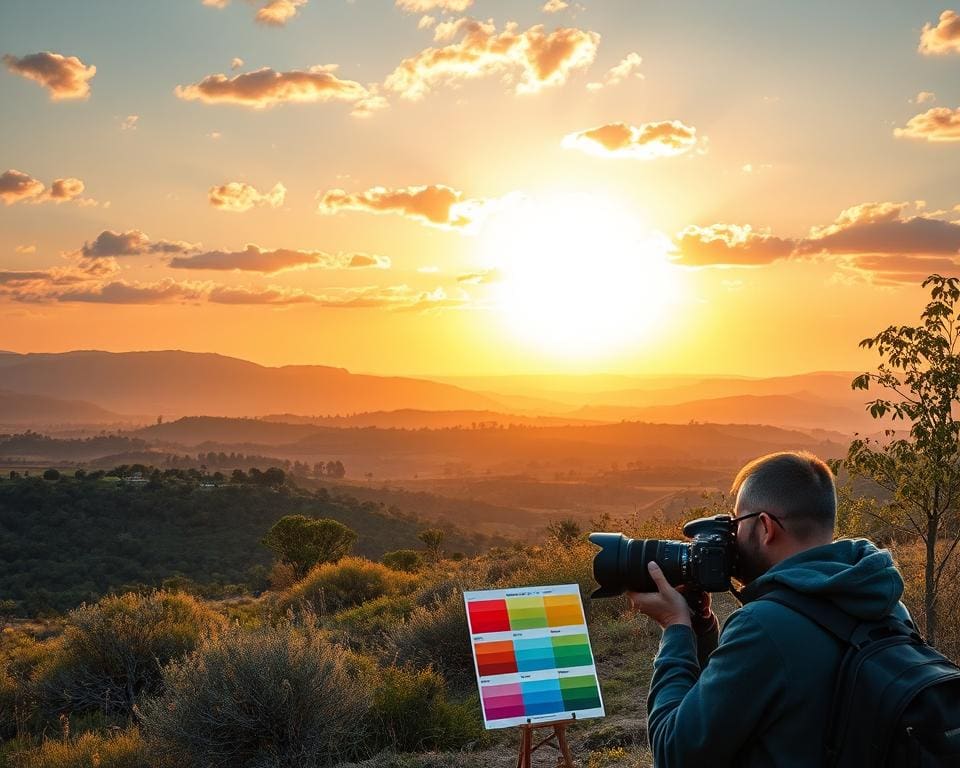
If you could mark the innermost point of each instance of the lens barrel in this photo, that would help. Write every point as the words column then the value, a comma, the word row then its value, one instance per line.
column 621, row 563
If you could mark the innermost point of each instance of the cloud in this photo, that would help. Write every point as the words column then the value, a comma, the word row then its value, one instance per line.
column 66, row 77
column 426, row 22
column 19, row 187
column 277, row 13
column 532, row 60
column 129, row 123
column 26, row 249
column 265, row 87
column 729, row 244
column 434, row 204
column 479, row 277
column 236, row 63
column 924, row 96
column 942, row 38
column 255, row 259
column 554, row 6
column 644, row 142
column 878, row 241
column 131, row 243
column 16, row 186
column 425, row 6
column 883, row 228
column 217, row 3
column 629, row 66
column 237, row 197
column 938, row 124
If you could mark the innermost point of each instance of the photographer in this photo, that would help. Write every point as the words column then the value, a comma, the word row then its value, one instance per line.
column 761, row 695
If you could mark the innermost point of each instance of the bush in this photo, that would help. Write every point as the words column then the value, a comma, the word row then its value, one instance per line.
column 124, row 750
column 365, row 626
column 332, row 587
column 111, row 653
column 277, row 696
column 436, row 635
column 408, row 560
column 412, row 713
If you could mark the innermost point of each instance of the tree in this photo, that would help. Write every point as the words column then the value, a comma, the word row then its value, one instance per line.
column 921, row 471
column 304, row 542
column 565, row 531
column 432, row 539
column 51, row 474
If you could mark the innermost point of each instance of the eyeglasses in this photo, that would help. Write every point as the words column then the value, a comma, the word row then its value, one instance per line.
column 737, row 520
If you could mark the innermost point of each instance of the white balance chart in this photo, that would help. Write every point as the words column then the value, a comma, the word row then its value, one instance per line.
column 532, row 654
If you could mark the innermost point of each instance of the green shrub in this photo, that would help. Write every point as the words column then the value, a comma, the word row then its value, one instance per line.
column 275, row 696
column 332, row 587
column 408, row 560
column 89, row 750
column 412, row 714
column 365, row 626
column 111, row 653
column 436, row 635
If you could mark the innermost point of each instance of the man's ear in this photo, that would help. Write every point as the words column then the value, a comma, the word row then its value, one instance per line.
column 769, row 529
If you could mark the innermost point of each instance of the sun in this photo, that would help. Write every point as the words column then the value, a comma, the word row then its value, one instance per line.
column 579, row 277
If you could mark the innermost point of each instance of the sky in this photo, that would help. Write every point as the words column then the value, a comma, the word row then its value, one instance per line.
column 477, row 187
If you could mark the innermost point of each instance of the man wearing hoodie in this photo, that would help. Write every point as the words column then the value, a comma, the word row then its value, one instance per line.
column 760, row 694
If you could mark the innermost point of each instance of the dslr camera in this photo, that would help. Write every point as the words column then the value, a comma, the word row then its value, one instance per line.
column 705, row 563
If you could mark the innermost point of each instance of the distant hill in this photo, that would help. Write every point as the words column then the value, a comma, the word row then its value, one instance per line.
column 798, row 410
column 175, row 383
column 408, row 418
column 39, row 411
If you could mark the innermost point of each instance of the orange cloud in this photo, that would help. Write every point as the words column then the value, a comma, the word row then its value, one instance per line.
column 644, row 142
column 942, row 38
column 480, row 277
column 255, row 259
column 278, row 12
column 554, row 6
column 425, row 6
column 66, row 77
column 131, row 243
column 938, row 124
column 19, row 187
column 533, row 59
column 435, row 204
column 877, row 241
column 217, row 3
column 237, row 197
column 629, row 66
column 729, row 244
column 266, row 88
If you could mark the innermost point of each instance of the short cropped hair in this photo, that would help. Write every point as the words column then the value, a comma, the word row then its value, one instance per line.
column 793, row 484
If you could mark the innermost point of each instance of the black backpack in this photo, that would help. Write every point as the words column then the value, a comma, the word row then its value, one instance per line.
column 896, row 701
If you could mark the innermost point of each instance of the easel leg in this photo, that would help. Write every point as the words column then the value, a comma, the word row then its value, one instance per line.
column 523, row 759
column 566, row 759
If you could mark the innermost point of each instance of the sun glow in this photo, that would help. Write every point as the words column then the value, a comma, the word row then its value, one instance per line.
column 579, row 277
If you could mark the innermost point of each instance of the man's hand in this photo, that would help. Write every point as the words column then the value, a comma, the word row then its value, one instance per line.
column 666, row 606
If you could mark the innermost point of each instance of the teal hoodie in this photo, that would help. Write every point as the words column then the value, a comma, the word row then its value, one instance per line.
column 762, row 699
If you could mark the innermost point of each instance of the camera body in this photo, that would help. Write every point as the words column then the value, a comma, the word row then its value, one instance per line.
column 706, row 563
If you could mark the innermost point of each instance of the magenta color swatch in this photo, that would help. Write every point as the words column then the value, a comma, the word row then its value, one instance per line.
column 502, row 701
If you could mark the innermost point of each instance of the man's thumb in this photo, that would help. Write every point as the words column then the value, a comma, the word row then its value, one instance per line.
column 657, row 575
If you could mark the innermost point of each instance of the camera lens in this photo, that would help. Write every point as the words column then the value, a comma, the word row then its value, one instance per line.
column 621, row 563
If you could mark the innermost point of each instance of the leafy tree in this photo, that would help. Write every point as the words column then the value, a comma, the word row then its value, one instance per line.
column 432, row 539
column 51, row 474
column 305, row 542
column 921, row 376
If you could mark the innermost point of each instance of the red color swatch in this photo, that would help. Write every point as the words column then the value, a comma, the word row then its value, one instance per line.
column 488, row 616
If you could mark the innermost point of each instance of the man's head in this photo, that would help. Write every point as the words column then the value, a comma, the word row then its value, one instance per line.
column 794, row 499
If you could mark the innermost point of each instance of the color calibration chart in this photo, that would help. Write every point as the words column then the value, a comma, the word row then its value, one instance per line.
column 532, row 654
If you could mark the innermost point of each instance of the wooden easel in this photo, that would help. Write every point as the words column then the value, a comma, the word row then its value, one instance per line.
column 527, row 747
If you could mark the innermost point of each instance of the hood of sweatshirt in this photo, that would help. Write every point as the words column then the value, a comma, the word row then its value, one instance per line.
column 854, row 574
